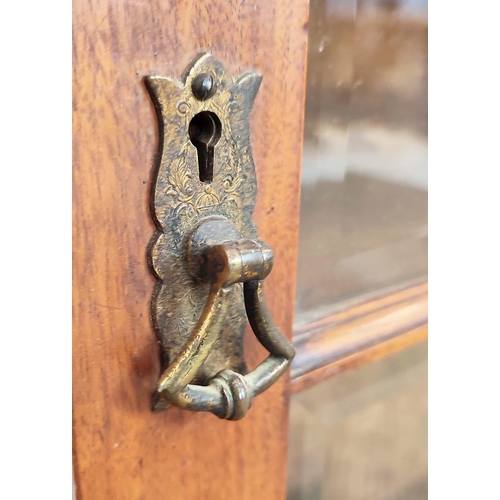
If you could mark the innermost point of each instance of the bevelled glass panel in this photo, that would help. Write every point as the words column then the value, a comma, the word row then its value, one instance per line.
column 363, row 434
column 363, row 223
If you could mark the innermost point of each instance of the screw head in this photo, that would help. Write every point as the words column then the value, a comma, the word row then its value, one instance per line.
column 204, row 86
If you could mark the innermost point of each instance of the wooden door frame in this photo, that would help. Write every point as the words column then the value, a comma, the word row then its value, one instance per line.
column 121, row 449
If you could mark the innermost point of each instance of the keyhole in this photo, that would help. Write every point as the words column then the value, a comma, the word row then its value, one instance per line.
column 204, row 132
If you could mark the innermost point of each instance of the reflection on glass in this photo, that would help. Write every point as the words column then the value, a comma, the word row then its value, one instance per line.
column 363, row 434
column 364, row 180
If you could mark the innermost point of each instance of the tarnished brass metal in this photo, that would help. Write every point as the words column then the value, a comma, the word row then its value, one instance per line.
column 206, row 255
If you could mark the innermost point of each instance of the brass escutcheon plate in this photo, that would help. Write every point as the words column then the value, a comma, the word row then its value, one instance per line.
column 205, row 171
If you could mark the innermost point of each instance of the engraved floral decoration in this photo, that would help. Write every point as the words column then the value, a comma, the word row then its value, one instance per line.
column 181, row 200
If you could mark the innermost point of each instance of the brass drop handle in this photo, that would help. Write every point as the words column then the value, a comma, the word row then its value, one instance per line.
column 228, row 394
column 205, row 254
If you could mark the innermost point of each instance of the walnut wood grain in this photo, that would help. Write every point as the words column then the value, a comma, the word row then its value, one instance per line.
column 358, row 335
column 121, row 449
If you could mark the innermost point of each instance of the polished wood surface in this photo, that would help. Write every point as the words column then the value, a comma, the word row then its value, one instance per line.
column 359, row 334
column 121, row 449
column 359, row 358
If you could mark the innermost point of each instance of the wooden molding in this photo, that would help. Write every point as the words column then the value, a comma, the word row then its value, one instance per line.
column 358, row 335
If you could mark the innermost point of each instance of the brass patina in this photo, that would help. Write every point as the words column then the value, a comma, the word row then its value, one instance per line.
column 206, row 255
